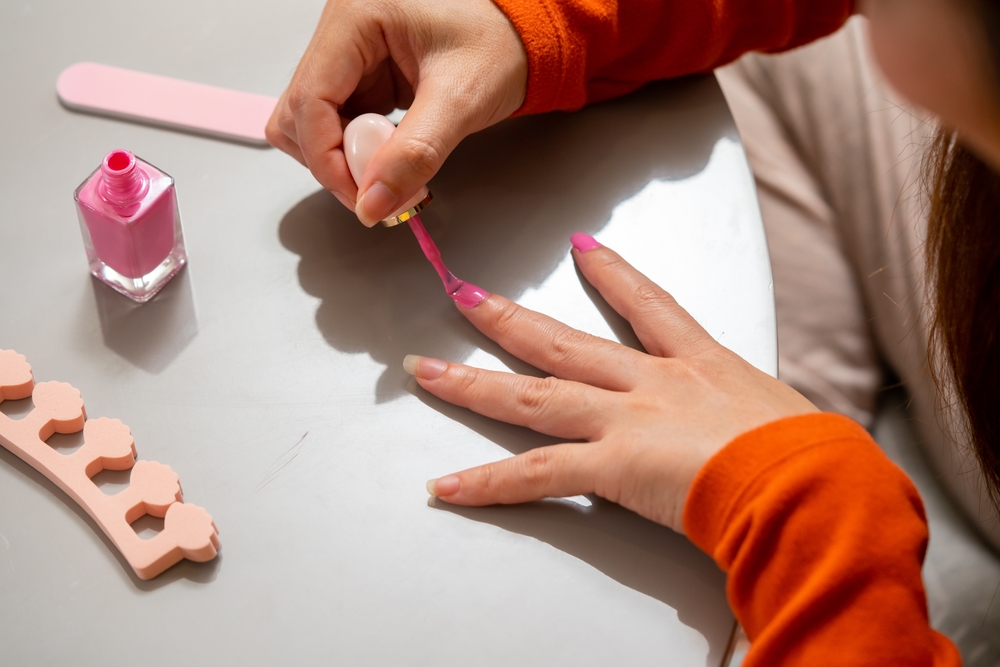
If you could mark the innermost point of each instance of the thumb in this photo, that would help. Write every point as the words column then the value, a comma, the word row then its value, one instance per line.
column 439, row 118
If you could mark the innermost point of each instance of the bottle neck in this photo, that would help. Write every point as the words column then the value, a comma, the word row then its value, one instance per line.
column 123, row 182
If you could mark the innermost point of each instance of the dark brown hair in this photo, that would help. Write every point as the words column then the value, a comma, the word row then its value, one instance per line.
column 963, row 261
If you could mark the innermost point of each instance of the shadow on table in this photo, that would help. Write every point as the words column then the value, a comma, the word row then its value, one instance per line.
column 148, row 335
column 635, row 552
column 505, row 205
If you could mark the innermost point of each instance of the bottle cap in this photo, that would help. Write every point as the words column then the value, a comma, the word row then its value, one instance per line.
column 394, row 220
column 363, row 136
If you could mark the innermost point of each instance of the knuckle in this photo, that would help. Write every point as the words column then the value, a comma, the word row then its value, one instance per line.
column 536, row 467
column 298, row 96
column 286, row 123
column 488, row 481
column 422, row 157
column 467, row 381
column 534, row 396
column 273, row 133
column 647, row 296
column 507, row 321
column 567, row 344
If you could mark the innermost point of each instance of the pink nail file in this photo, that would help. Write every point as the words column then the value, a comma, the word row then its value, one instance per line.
column 171, row 103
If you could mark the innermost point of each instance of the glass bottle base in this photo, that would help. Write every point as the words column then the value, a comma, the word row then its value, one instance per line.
column 145, row 287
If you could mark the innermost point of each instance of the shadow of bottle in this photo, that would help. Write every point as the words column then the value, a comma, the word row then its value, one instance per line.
column 149, row 335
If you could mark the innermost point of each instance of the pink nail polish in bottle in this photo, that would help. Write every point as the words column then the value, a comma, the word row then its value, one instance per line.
column 131, row 225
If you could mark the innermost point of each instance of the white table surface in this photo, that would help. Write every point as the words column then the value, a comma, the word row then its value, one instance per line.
column 268, row 375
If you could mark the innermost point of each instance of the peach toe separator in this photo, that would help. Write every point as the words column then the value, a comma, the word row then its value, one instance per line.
column 188, row 530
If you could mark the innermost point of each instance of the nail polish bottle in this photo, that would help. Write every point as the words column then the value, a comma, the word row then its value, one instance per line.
column 363, row 136
column 131, row 225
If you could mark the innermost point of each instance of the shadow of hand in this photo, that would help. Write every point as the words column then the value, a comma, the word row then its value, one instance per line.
column 505, row 205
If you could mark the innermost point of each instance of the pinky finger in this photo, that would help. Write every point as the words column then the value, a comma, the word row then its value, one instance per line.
column 556, row 471
column 283, row 143
column 293, row 150
column 280, row 132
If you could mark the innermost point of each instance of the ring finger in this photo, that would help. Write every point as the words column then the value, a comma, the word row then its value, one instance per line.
column 548, row 405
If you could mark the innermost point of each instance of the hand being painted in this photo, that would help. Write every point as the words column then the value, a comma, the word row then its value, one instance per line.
column 458, row 65
column 650, row 421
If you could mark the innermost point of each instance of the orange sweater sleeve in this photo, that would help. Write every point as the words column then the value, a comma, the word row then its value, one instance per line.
column 823, row 539
column 582, row 51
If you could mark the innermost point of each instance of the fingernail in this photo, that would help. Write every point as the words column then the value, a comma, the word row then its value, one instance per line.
column 445, row 486
column 584, row 242
column 424, row 368
column 470, row 296
column 359, row 210
column 343, row 199
column 377, row 203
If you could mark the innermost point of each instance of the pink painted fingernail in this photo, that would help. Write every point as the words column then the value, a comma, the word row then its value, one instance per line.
column 584, row 242
column 424, row 368
column 445, row 486
column 469, row 295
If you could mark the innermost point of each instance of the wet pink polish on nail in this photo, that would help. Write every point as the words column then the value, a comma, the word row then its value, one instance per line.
column 583, row 242
column 131, row 225
column 469, row 295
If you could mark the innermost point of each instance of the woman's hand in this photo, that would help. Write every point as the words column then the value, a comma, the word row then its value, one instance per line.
column 458, row 65
column 650, row 421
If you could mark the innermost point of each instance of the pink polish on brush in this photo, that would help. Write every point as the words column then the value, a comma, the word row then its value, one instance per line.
column 363, row 136
column 131, row 225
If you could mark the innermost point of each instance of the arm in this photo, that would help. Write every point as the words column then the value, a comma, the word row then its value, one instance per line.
column 582, row 51
column 463, row 65
column 823, row 539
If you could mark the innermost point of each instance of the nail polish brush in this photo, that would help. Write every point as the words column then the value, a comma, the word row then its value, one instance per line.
column 363, row 136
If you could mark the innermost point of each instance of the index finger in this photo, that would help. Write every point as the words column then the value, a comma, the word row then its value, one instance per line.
column 326, row 77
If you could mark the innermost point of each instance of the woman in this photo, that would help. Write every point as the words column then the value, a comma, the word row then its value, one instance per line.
column 819, row 533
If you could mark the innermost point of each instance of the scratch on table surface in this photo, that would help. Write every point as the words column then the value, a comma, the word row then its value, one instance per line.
column 282, row 462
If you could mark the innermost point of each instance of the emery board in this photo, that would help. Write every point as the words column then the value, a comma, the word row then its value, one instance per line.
column 166, row 102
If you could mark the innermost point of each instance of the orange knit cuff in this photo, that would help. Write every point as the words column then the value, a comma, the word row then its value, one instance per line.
column 719, row 488
column 548, row 45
